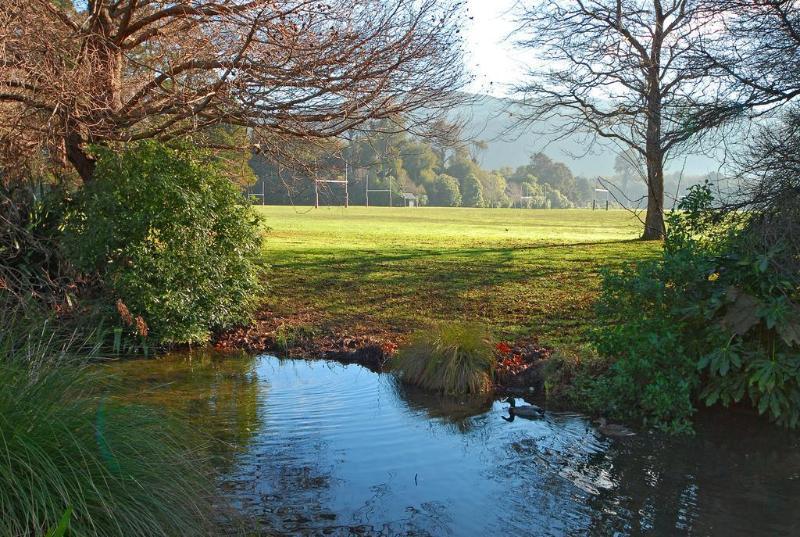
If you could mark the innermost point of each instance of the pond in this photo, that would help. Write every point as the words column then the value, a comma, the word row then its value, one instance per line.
column 320, row 448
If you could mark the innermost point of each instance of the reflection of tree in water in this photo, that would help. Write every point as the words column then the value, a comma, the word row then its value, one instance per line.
column 737, row 476
column 217, row 394
column 456, row 411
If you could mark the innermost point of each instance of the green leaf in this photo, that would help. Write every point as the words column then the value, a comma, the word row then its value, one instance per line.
column 774, row 407
column 763, row 403
column 763, row 263
column 789, row 332
column 63, row 525
column 742, row 314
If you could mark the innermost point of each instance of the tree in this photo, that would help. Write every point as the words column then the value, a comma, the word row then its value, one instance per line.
column 73, row 74
column 624, row 71
column 535, row 195
column 494, row 190
column 234, row 162
column 461, row 165
column 554, row 174
column 420, row 161
column 557, row 200
column 472, row 191
column 758, row 54
column 444, row 192
column 584, row 191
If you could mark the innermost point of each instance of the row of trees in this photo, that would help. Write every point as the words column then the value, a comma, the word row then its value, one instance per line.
column 438, row 173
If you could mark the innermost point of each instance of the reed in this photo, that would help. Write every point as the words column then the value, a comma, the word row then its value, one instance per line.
column 67, row 447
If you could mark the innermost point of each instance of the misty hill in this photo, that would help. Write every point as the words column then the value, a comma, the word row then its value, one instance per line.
column 488, row 119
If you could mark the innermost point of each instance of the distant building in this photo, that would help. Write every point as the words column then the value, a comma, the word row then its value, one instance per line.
column 410, row 199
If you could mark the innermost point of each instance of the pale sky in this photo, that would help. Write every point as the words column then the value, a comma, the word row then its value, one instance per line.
column 490, row 56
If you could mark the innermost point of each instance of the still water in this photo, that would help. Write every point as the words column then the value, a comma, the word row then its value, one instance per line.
column 319, row 448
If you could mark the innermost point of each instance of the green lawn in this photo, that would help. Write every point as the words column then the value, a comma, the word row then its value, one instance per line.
column 524, row 272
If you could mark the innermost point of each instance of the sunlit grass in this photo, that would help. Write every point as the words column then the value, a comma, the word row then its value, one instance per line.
column 522, row 272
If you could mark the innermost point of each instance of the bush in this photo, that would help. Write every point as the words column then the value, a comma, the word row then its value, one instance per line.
column 449, row 358
column 32, row 265
column 170, row 237
column 712, row 320
column 117, row 470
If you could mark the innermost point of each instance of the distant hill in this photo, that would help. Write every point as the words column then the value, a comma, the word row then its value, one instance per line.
column 488, row 119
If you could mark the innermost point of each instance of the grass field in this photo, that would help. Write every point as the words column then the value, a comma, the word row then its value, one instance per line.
column 523, row 272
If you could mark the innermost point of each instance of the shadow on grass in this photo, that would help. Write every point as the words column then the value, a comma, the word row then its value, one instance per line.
column 543, row 288
column 368, row 256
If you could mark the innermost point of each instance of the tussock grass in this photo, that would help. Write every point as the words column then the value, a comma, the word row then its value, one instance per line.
column 122, row 470
column 453, row 358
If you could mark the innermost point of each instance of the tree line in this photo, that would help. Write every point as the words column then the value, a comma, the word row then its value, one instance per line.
column 437, row 174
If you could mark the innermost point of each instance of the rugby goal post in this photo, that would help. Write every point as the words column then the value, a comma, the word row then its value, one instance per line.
column 368, row 190
column 318, row 181
column 599, row 192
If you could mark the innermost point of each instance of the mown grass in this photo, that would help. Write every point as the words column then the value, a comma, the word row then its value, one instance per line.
column 522, row 272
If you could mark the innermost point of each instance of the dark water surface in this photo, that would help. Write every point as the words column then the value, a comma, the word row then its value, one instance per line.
column 319, row 448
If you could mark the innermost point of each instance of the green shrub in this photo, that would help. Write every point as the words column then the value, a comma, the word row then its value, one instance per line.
column 170, row 237
column 32, row 265
column 712, row 320
column 67, row 451
column 449, row 358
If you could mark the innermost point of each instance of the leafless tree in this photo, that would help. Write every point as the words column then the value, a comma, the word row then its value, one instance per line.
column 757, row 48
column 624, row 71
column 76, row 73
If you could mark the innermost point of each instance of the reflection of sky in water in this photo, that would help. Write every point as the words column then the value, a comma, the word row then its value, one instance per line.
column 332, row 449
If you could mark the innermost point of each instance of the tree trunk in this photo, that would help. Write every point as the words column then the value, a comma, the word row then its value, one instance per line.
column 104, row 60
column 80, row 160
column 654, row 228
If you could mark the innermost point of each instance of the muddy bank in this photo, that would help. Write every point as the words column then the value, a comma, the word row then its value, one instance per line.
column 306, row 334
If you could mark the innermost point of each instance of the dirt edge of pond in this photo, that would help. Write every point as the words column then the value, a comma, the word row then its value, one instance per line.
column 307, row 334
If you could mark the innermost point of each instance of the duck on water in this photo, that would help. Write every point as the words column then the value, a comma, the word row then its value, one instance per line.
column 530, row 412
column 533, row 412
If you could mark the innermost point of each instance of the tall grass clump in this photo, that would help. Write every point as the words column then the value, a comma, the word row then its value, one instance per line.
column 68, row 450
column 452, row 358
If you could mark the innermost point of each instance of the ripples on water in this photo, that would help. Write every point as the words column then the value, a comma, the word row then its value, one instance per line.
column 319, row 448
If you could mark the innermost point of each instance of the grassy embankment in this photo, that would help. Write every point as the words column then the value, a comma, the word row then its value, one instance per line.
column 523, row 272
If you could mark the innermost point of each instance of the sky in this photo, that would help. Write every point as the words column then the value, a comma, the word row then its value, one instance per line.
column 490, row 54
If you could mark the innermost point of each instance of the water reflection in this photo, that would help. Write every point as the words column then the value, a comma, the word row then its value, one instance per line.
column 458, row 411
column 219, row 394
column 328, row 449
